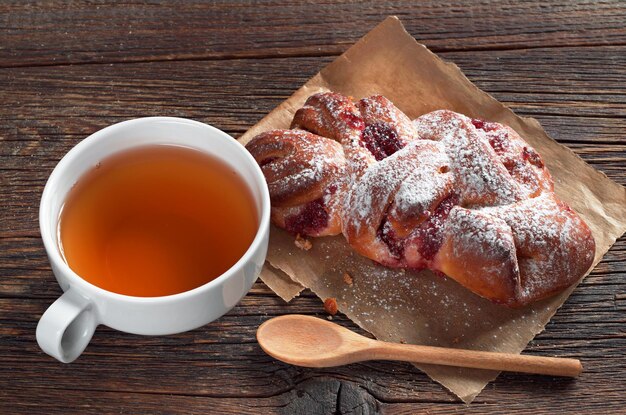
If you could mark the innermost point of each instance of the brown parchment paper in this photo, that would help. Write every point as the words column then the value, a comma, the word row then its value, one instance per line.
column 421, row 308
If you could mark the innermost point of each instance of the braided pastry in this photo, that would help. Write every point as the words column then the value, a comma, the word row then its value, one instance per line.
column 463, row 197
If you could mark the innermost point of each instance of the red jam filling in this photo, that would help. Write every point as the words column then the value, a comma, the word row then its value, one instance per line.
column 484, row 125
column 430, row 233
column 511, row 165
column 388, row 236
column 312, row 219
column 532, row 156
column 381, row 140
column 352, row 120
column 332, row 189
column 497, row 142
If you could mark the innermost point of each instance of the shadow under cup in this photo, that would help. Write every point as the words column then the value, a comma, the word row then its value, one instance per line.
column 67, row 326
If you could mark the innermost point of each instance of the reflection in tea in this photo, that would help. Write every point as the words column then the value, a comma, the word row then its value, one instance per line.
column 156, row 220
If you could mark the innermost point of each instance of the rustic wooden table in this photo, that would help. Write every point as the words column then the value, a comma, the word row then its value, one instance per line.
column 68, row 69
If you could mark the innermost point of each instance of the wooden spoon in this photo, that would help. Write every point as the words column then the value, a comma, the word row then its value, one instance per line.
column 313, row 342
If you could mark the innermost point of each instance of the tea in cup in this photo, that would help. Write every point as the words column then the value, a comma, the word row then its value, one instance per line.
column 152, row 226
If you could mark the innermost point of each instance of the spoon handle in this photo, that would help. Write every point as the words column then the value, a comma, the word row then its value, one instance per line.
column 475, row 359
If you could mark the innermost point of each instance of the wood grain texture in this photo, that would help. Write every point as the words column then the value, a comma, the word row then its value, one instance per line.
column 50, row 33
column 228, row 64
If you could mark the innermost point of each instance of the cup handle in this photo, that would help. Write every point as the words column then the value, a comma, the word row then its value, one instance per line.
column 67, row 326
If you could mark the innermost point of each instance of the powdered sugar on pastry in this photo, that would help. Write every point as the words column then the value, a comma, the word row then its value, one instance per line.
column 461, row 196
column 305, row 174
column 482, row 182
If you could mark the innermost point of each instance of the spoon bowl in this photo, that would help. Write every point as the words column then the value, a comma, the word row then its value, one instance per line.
column 310, row 342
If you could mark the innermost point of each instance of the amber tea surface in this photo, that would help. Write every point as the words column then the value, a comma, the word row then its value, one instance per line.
column 156, row 220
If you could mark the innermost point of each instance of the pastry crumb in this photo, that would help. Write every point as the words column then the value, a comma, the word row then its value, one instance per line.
column 347, row 278
column 330, row 305
column 329, row 317
column 303, row 243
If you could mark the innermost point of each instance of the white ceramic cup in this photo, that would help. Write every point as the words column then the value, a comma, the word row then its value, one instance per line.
column 67, row 326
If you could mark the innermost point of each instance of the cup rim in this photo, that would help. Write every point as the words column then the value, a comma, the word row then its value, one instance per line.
column 52, row 248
